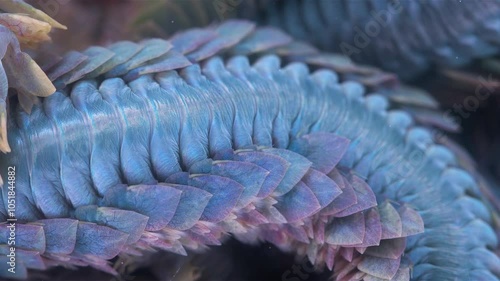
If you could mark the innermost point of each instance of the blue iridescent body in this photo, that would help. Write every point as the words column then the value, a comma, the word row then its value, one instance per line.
column 172, row 144
column 384, row 32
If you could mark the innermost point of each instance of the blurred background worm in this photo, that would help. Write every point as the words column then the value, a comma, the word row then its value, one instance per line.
column 229, row 130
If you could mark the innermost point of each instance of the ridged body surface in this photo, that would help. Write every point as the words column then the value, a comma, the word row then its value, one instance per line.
column 143, row 147
column 404, row 37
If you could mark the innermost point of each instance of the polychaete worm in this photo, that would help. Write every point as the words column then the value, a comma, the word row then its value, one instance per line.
column 232, row 129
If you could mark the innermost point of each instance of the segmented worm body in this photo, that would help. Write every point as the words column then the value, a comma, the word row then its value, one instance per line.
column 404, row 37
column 173, row 144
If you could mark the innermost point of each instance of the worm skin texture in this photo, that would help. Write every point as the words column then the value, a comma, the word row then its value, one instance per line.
column 383, row 32
column 173, row 144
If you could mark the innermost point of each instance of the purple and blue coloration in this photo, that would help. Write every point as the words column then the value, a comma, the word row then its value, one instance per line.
column 401, row 36
column 174, row 144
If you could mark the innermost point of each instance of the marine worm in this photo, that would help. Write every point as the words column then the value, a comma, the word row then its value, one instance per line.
column 384, row 32
column 172, row 144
